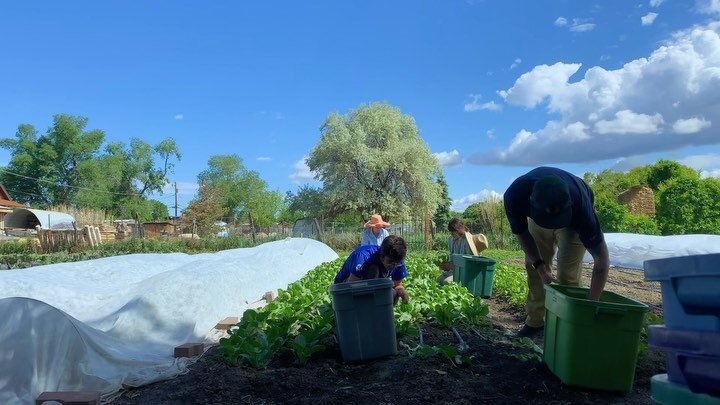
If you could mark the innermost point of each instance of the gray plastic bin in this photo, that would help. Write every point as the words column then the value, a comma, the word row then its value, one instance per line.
column 364, row 319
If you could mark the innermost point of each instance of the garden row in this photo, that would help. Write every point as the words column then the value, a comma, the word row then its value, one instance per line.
column 300, row 320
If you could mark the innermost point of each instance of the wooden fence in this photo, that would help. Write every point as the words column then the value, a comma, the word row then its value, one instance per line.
column 53, row 239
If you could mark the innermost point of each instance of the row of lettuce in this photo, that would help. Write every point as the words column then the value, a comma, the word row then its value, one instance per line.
column 300, row 321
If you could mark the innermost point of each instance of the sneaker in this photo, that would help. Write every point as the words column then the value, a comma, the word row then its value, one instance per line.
column 529, row 331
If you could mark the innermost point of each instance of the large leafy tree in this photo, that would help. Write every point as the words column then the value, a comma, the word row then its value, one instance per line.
column 242, row 194
column 68, row 165
column 44, row 169
column 373, row 161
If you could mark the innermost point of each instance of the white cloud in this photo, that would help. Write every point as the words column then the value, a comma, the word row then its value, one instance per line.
column 475, row 105
column 490, row 133
column 656, row 3
column 561, row 22
column 677, row 81
column 535, row 86
column 302, row 173
column 581, row 25
column 179, row 116
column 184, row 188
column 603, row 58
column 515, row 63
column 708, row 164
column 702, row 162
column 628, row 122
column 279, row 115
column 264, row 159
column 625, row 164
column 461, row 204
column 449, row 159
column 691, row 125
column 648, row 19
column 707, row 6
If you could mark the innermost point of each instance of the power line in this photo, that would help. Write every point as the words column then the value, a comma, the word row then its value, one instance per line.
column 69, row 186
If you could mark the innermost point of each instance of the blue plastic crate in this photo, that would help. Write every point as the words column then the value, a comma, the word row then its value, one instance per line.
column 693, row 357
column 690, row 290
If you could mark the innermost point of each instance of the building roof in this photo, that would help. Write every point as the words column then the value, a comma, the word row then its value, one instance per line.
column 9, row 203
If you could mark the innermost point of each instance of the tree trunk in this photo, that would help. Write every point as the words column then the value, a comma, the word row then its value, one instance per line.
column 252, row 227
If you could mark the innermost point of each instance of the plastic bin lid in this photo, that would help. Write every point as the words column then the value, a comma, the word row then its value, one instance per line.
column 690, row 341
column 608, row 299
column 480, row 259
column 695, row 265
column 361, row 286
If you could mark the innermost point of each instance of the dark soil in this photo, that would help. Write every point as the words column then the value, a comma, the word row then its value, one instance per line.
column 497, row 374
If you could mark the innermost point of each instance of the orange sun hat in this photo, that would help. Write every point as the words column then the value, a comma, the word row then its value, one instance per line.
column 376, row 221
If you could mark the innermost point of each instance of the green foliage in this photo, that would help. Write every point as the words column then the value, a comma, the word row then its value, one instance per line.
column 684, row 202
column 442, row 214
column 511, row 283
column 240, row 193
column 300, row 319
column 373, row 161
column 67, row 165
column 450, row 352
column 611, row 214
column 689, row 205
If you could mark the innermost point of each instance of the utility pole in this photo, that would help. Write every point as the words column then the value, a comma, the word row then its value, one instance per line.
column 176, row 194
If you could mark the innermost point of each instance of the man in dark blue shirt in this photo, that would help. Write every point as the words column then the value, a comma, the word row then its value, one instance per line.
column 384, row 261
column 549, row 208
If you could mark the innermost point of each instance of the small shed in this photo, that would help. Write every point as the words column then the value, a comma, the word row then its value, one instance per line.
column 158, row 229
column 29, row 218
column 307, row 228
column 640, row 200
column 6, row 205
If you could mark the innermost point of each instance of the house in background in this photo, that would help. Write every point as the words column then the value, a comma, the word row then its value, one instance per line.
column 6, row 205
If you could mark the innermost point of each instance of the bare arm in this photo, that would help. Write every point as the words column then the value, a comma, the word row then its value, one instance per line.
column 532, row 254
column 601, row 268
column 353, row 278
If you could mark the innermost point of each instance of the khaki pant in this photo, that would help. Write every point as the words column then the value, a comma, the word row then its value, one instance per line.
column 570, row 252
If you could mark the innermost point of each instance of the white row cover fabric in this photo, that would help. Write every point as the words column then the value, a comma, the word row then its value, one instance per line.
column 100, row 324
column 631, row 250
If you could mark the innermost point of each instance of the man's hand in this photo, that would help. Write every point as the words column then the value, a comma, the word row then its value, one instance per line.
column 447, row 266
column 545, row 274
column 399, row 292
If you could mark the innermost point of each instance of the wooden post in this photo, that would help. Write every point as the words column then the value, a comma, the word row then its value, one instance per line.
column 427, row 229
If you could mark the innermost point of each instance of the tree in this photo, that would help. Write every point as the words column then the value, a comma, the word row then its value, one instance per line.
column 372, row 161
column 241, row 193
column 67, row 165
column 205, row 209
column 689, row 205
column 310, row 202
column 46, row 167
column 442, row 214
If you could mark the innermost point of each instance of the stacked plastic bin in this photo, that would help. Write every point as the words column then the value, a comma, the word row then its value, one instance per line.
column 691, row 335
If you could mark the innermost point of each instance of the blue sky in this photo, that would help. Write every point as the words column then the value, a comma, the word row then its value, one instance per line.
column 498, row 87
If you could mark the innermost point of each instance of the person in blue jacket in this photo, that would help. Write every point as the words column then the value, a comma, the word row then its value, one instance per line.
column 384, row 261
column 552, row 211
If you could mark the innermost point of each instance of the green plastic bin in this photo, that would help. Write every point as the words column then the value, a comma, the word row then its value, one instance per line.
column 476, row 273
column 364, row 319
column 665, row 392
column 592, row 344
